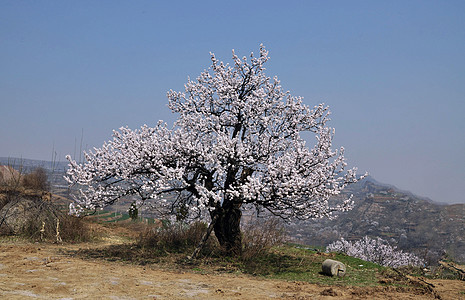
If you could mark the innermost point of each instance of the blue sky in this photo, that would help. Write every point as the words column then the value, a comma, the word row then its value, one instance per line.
column 393, row 73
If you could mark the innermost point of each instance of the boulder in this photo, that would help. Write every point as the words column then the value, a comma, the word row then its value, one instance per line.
column 16, row 214
column 333, row 268
column 22, row 211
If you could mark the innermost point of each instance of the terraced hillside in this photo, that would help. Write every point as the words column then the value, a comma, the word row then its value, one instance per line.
column 418, row 225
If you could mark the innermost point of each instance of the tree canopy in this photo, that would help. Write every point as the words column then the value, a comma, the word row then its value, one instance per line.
column 236, row 144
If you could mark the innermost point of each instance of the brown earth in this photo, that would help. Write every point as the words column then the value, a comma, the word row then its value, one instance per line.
column 41, row 271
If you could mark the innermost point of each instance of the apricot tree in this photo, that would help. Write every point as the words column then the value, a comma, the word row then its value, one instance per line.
column 236, row 144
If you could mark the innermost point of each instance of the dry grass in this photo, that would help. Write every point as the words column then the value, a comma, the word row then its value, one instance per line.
column 36, row 180
column 176, row 238
column 260, row 235
column 52, row 225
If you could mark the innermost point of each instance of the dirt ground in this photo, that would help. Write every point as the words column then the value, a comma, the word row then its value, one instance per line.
column 39, row 271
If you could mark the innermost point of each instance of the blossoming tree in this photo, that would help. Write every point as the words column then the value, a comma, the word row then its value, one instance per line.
column 376, row 250
column 236, row 144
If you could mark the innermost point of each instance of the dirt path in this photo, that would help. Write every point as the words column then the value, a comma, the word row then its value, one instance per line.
column 29, row 271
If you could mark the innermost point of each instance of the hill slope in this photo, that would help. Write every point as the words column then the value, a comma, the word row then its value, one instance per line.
column 408, row 221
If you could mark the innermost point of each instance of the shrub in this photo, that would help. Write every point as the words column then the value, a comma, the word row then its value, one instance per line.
column 44, row 226
column 37, row 180
column 376, row 250
column 260, row 235
column 133, row 211
column 31, row 216
column 177, row 237
column 75, row 229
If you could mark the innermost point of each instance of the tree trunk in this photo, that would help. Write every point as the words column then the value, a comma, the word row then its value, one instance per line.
column 227, row 228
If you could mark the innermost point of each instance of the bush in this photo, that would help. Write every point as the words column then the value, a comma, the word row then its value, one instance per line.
column 75, row 229
column 376, row 250
column 49, row 220
column 260, row 235
column 35, row 217
column 36, row 180
column 177, row 237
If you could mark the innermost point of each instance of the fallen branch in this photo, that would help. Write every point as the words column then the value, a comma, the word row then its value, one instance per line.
column 204, row 239
column 454, row 269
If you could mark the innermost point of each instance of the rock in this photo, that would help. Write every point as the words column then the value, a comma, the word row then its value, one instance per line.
column 26, row 210
column 16, row 214
column 333, row 268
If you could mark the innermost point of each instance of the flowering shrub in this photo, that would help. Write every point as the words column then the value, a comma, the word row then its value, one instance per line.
column 376, row 250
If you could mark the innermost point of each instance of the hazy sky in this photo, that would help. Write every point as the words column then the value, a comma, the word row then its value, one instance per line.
column 393, row 73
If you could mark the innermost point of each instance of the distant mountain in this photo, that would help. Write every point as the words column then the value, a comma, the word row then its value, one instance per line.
column 32, row 163
column 412, row 223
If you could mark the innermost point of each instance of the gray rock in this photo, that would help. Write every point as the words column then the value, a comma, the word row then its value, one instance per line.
column 333, row 268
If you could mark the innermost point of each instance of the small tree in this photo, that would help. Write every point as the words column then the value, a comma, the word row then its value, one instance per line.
column 376, row 250
column 236, row 145
column 133, row 211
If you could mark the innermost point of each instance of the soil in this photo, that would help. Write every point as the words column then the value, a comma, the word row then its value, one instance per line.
column 41, row 271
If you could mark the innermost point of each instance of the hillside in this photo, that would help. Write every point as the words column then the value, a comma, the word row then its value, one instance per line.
column 408, row 221
column 108, row 249
column 61, row 271
column 413, row 223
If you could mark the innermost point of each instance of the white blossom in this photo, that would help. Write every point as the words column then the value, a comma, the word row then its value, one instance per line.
column 237, row 138
column 376, row 250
